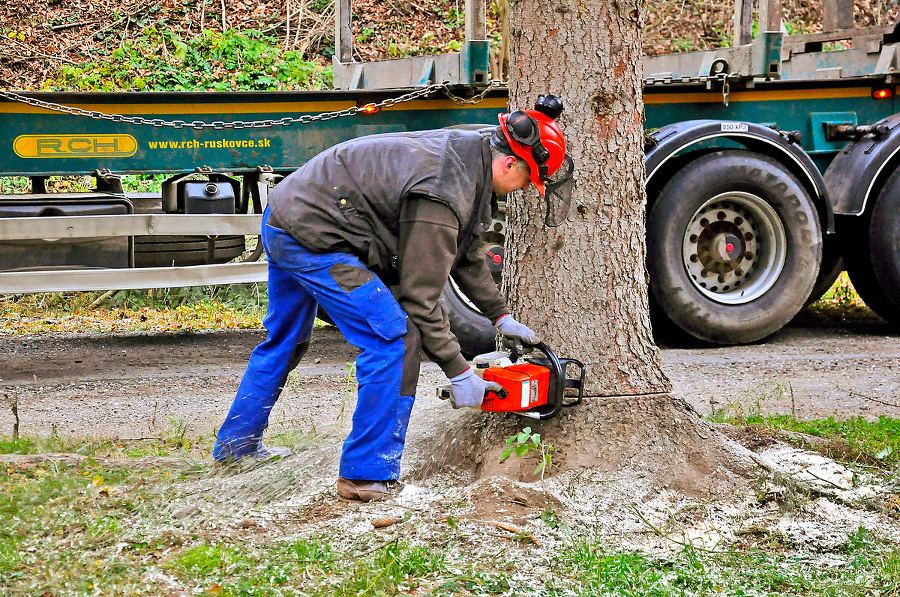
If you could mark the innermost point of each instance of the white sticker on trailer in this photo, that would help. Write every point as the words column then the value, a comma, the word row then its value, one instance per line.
column 734, row 127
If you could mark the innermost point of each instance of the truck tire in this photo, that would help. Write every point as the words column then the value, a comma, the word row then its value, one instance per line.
column 166, row 251
column 874, row 262
column 475, row 332
column 734, row 247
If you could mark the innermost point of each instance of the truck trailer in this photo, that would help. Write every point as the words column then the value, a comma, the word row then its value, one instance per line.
column 771, row 166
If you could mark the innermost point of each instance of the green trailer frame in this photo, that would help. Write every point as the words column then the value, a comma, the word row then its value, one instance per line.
column 804, row 107
column 39, row 142
column 89, row 138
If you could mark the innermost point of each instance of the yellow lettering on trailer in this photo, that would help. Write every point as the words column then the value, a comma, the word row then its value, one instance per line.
column 74, row 146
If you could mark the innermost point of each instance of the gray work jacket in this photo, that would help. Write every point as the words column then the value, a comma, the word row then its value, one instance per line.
column 348, row 198
column 358, row 196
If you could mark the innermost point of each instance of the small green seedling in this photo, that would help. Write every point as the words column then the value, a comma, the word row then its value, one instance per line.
column 550, row 518
column 525, row 441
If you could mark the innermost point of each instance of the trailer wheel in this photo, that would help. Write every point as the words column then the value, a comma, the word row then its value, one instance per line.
column 166, row 251
column 475, row 332
column 734, row 247
column 874, row 263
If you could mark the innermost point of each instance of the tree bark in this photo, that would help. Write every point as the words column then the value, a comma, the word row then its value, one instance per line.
column 583, row 286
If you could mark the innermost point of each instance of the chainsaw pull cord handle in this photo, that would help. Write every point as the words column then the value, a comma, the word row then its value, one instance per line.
column 556, row 393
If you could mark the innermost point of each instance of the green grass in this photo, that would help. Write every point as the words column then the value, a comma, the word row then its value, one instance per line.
column 854, row 439
column 231, row 570
column 167, row 309
column 250, row 296
column 60, row 527
column 391, row 567
column 75, row 530
column 869, row 567
column 173, row 438
column 171, row 441
column 91, row 529
column 840, row 303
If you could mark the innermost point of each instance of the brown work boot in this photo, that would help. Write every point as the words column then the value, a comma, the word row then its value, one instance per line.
column 360, row 490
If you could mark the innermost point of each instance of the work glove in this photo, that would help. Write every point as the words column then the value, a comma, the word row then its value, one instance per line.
column 508, row 326
column 467, row 390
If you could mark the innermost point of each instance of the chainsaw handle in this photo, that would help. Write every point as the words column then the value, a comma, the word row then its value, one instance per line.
column 578, row 384
column 559, row 373
column 555, row 394
column 560, row 381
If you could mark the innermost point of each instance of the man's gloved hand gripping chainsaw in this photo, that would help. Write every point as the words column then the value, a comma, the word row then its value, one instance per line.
column 532, row 388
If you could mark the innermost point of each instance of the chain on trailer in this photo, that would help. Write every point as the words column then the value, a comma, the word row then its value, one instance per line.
column 723, row 78
column 241, row 124
column 443, row 86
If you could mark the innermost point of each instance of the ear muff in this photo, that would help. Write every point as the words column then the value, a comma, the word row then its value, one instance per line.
column 524, row 129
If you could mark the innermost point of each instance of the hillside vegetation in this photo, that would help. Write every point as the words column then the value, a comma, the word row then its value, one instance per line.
column 288, row 44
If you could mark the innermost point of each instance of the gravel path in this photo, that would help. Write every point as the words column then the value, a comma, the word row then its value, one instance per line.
column 141, row 385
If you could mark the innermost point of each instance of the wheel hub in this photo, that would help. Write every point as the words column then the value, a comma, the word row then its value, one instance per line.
column 734, row 247
column 727, row 247
column 721, row 247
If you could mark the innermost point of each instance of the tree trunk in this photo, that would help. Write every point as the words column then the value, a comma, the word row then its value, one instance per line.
column 583, row 286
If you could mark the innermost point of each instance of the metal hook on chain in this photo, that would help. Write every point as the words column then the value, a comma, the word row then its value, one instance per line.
column 476, row 99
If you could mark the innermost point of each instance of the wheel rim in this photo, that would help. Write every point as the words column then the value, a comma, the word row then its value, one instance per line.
column 734, row 248
column 462, row 297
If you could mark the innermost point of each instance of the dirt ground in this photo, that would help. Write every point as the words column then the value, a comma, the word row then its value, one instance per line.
column 139, row 385
column 149, row 385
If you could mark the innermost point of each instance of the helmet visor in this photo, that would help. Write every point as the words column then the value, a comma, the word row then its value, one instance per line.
column 558, row 191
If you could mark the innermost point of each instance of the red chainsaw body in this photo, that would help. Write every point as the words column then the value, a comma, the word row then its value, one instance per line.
column 527, row 386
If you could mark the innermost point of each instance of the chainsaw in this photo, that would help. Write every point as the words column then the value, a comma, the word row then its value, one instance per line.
column 534, row 388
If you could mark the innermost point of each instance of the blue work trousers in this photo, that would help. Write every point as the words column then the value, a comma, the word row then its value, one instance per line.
column 370, row 318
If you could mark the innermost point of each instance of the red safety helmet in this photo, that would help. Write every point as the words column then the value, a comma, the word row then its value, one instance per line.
column 534, row 136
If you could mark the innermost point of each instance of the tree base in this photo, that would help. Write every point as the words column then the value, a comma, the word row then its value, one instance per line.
column 659, row 438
